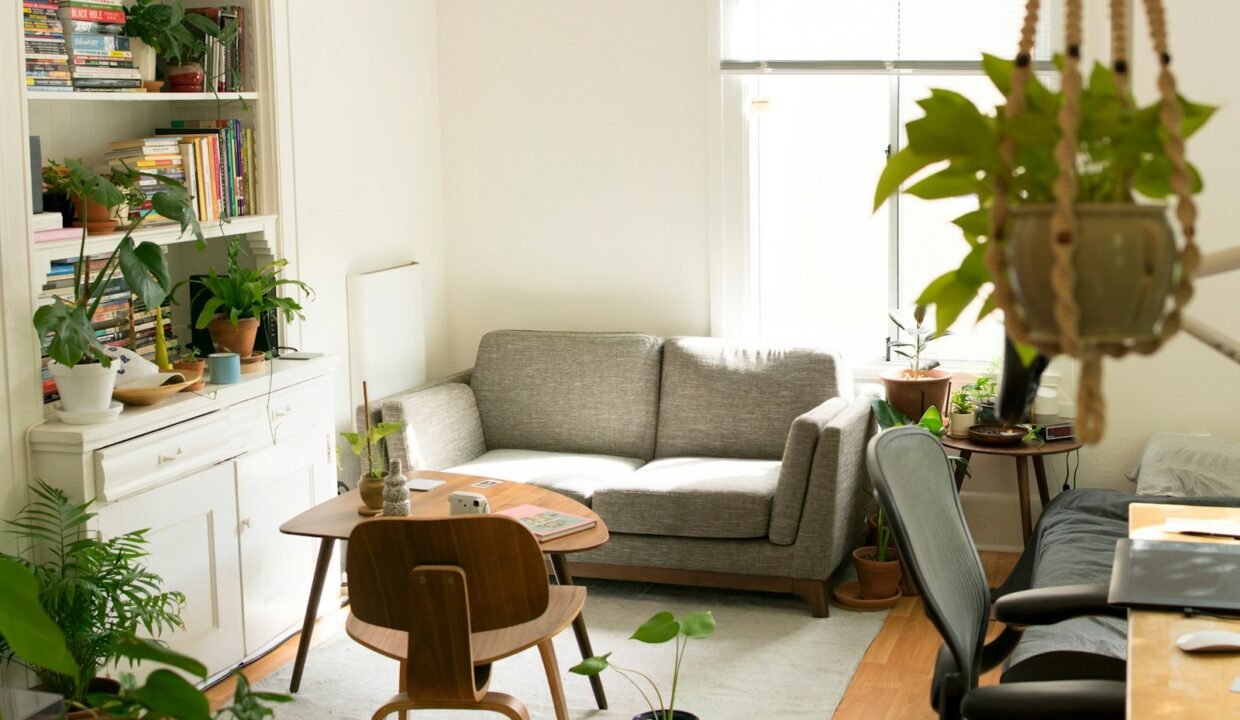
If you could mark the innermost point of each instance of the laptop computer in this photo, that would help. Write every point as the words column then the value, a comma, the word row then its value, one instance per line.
column 1178, row 575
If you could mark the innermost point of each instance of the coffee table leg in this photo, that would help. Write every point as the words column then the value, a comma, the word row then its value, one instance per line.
column 1039, row 472
column 312, row 610
column 562, row 576
column 1022, row 486
column 962, row 466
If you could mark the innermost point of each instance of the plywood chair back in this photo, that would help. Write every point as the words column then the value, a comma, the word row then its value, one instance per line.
column 439, row 581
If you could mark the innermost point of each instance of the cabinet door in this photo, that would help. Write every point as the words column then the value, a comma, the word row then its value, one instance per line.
column 273, row 486
column 193, row 547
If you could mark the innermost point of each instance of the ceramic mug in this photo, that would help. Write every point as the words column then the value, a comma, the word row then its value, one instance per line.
column 225, row 368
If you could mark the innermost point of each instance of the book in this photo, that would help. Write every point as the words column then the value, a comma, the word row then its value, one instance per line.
column 42, row 236
column 46, row 221
column 547, row 524
column 92, row 13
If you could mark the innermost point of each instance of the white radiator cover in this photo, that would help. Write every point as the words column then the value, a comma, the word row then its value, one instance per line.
column 387, row 332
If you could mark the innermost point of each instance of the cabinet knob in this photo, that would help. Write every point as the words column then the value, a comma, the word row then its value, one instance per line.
column 169, row 458
column 277, row 414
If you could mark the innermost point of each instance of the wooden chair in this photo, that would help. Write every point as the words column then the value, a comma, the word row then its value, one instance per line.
column 447, row 598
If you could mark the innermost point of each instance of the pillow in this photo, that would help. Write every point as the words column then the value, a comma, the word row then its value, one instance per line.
column 1183, row 465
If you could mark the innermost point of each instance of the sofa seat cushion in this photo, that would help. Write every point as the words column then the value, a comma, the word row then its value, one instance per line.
column 691, row 497
column 572, row 474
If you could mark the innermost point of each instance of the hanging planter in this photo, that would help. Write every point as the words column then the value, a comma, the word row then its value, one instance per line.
column 1064, row 240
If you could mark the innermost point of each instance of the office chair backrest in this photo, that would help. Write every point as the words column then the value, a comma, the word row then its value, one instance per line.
column 915, row 487
column 502, row 565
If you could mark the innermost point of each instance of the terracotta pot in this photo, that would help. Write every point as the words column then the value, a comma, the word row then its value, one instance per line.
column 871, row 538
column 239, row 338
column 198, row 366
column 97, row 218
column 912, row 396
column 1125, row 260
column 186, row 78
column 878, row 580
column 961, row 422
column 371, row 490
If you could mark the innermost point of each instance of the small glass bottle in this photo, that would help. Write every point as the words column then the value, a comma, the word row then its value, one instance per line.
column 395, row 494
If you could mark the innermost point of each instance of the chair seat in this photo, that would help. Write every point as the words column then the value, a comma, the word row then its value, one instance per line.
column 563, row 606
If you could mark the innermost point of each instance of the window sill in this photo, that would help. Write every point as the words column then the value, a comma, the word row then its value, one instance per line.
column 868, row 373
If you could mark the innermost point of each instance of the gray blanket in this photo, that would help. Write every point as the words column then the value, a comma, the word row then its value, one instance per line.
column 1074, row 543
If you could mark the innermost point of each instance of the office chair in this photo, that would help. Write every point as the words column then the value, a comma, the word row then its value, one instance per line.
column 447, row 598
column 915, row 487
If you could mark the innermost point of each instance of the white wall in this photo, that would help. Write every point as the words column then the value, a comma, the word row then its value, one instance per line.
column 575, row 166
column 367, row 167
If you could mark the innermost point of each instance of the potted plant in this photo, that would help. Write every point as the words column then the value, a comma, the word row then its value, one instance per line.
column 33, row 639
column 878, row 571
column 981, row 393
column 165, row 29
column 83, row 372
column 963, row 413
column 922, row 385
column 660, row 628
column 370, row 484
column 236, row 301
column 192, row 362
column 97, row 591
column 1082, row 171
column 88, row 212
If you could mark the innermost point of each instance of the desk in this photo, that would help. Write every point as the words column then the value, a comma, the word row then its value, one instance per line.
column 1020, row 453
column 1164, row 682
column 336, row 518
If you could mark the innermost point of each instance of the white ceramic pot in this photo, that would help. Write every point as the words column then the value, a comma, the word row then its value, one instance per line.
column 961, row 422
column 86, row 387
column 143, row 58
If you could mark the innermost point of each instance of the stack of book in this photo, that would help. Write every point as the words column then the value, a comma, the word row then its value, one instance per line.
column 224, row 64
column 47, row 62
column 99, row 53
column 144, row 330
column 50, row 226
column 228, row 166
column 150, row 156
column 111, row 320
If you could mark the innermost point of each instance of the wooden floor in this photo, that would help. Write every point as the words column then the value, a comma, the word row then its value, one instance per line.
column 893, row 680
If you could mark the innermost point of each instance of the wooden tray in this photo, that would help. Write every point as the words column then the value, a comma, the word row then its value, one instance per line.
column 150, row 396
column 996, row 434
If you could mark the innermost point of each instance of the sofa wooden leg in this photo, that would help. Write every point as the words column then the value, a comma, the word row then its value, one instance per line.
column 814, row 592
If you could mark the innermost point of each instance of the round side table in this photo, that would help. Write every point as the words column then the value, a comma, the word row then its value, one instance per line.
column 1020, row 453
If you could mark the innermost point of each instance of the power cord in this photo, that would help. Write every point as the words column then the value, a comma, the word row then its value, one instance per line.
column 1194, row 612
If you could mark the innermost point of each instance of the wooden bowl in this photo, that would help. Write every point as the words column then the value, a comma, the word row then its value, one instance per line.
column 150, row 396
column 996, row 434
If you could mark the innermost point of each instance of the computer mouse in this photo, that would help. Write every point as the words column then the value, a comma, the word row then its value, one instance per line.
column 1209, row 641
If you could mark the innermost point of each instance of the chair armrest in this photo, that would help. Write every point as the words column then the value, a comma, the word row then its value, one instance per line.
column 1048, row 605
column 837, row 493
column 1077, row 699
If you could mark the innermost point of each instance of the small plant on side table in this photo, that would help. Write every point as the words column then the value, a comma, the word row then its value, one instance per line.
column 660, row 628
column 964, row 412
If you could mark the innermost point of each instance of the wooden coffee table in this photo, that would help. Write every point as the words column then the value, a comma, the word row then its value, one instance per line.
column 1020, row 453
column 336, row 518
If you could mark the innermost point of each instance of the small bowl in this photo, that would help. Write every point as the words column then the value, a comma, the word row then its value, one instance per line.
column 996, row 434
column 153, row 86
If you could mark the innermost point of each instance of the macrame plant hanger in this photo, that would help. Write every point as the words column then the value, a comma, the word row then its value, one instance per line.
column 1061, row 242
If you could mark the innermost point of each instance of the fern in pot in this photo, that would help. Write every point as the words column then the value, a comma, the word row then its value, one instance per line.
column 1068, row 238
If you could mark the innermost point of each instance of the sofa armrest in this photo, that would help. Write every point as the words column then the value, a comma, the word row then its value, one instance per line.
column 838, row 494
column 794, row 469
column 442, row 427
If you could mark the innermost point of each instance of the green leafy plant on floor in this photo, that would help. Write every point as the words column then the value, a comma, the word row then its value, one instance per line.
column 1119, row 156
column 141, row 264
column 662, row 627
column 247, row 292
column 97, row 591
column 368, row 442
column 932, row 420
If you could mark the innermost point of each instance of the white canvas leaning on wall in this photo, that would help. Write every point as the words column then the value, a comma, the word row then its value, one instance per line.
column 387, row 335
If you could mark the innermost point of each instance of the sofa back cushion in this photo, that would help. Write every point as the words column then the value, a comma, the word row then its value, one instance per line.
column 568, row 391
column 727, row 399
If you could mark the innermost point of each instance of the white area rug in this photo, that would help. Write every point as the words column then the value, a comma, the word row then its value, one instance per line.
column 767, row 659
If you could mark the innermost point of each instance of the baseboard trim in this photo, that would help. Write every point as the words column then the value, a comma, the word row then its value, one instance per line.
column 814, row 592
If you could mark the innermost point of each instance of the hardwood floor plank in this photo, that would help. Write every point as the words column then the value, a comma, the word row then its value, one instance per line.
column 893, row 680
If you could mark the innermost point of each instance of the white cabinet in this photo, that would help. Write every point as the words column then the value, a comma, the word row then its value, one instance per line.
column 192, row 541
column 273, row 485
column 213, row 475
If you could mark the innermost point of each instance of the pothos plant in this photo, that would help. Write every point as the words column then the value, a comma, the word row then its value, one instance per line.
column 141, row 264
column 367, row 442
column 1119, row 158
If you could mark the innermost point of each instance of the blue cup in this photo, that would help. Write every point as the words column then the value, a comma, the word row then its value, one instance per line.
column 225, row 368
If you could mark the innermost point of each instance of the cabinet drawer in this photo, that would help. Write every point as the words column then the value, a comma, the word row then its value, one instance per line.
column 294, row 409
column 155, row 458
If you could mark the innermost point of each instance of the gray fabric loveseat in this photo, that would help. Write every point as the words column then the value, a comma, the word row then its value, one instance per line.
column 713, row 463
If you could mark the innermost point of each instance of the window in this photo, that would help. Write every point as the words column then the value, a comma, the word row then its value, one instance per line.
column 816, row 94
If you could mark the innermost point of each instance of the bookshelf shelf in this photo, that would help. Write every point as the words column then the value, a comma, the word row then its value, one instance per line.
column 226, row 98
column 165, row 234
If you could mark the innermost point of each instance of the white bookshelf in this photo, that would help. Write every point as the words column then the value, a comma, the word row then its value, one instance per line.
column 161, row 97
